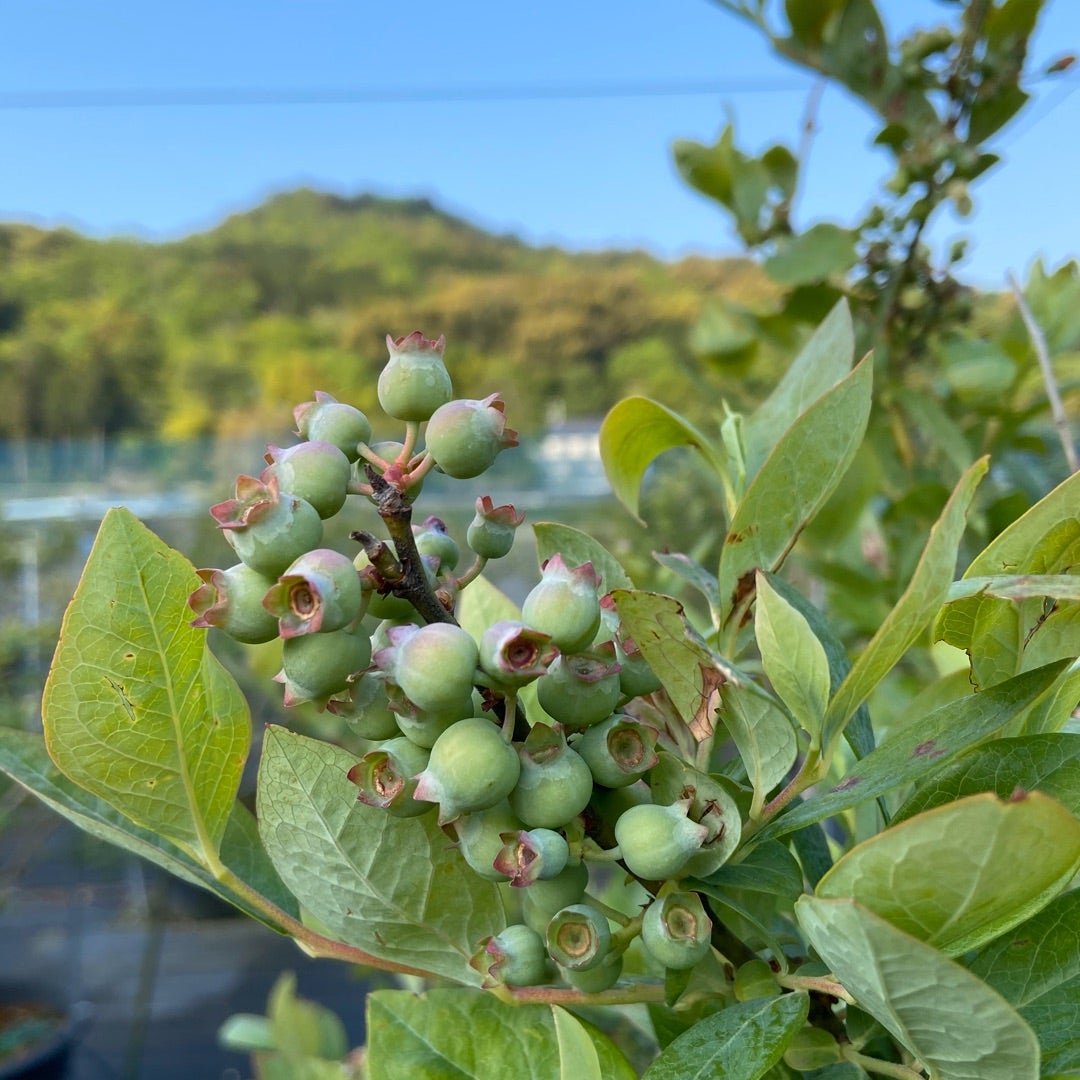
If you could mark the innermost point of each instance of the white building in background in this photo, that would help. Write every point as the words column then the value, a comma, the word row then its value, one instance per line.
column 568, row 453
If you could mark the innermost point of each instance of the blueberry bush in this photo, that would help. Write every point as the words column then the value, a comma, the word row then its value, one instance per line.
column 592, row 801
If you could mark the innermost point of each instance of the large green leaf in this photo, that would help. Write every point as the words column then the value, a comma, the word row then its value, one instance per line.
column 803, row 469
column 793, row 658
column 992, row 863
column 920, row 748
column 577, row 547
column 997, row 632
column 136, row 708
column 804, row 258
column 394, row 887
column 913, row 611
column 23, row 757
column 743, row 1041
column 634, row 434
column 460, row 1035
column 1037, row 969
column 1048, row 763
column 950, row 1020
column 823, row 361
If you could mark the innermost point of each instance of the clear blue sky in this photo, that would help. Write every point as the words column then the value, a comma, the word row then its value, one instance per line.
column 585, row 173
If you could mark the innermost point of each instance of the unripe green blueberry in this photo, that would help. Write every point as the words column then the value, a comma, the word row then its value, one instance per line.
column 315, row 667
column 516, row 956
column 618, row 750
column 432, row 539
column 675, row 930
column 366, row 708
column 465, row 436
column 435, row 665
column 543, row 898
column 267, row 528
column 471, row 767
column 491, row 533
column 514, row 654
column 231, row 600
column 578, row 937
column 318, row 592
column 579, row 690
column 328, row 420
column 636, row 678
column 414, row 382
column 532, row 855
column 480, row 837
column 386, row 778
column 554, row 785
column 424, row 726
column 812, row 1048
column 597, row 979
column 565, row 604
column 756, row 979
column 656, row 841
column 317, row 472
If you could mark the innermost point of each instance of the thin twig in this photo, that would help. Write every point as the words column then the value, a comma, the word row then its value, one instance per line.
column 1038, row 343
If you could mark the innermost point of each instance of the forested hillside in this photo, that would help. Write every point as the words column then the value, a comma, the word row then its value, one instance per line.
column 216, row 333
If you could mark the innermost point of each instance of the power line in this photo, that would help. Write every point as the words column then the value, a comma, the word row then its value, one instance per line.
column 221, row 97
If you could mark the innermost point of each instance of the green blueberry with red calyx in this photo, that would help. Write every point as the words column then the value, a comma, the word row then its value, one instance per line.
column 316, row 667
column 532, row 855
column 386, row 778
column 491, row 532
column 597, row 979
column 756, row 979
column 712, row 806
column 267, row 528
column 565, row 604
column 636, row 678
column 618, row 750
column 676, row 931
column 328, row 420
column 480, row 837
column 231, row 601
column 424, row 726
column 513, row 654
column 435, row 665
column 578, row 937
column 319, row 592
column 365, row 708
column 516, row 956
column 317, row 472
column 555, row 783
column 580, row 689
column 414, row 382
column 812, row 1048
column 465, row 436
column 433, row 540
column 657, row 841
column 544, row 897
column 471, row 767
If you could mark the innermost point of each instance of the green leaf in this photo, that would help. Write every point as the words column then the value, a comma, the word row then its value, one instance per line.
column 303, row 1027
column 804, row 258
column 920, row 748
column 950, row 1020
column 1048, row 763
column 768, row 868
column 913, row 611
column 993, row 863
column 460, row 1035
column 394, row 887
column 995, row 632
column 277, row 1066
column 808, row 19
column 694, row 574
column 576, row 548
column 1018, row 587
column 688, row 670
column 822, row 362
column 763, row 735
column 855, row 50
column 1037, row 969
column 794, row 482
column 23, row 757
column 481, row 603
column 743, row 1041
column 793, row 658
column 136, row 709
column 578, row 1059
column 636, row 432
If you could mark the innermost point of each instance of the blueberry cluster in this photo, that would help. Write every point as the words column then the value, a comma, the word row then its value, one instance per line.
column 373, row 639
